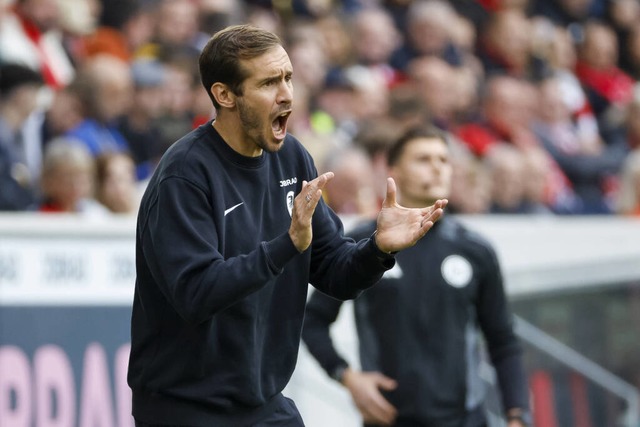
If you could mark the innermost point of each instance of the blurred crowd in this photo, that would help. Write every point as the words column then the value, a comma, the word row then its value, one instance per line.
column 540, row 99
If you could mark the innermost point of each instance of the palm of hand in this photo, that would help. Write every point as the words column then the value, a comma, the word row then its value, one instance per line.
column 398, row 228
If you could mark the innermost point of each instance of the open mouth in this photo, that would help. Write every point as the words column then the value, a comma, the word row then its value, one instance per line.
column 279, row 125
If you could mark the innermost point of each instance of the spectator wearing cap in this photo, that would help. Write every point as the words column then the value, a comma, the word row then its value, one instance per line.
column 333, row 113
column 351, row 97
column 140, row 127
column 19, row 163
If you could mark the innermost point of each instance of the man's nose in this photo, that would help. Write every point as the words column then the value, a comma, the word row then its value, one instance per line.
column 285, row 93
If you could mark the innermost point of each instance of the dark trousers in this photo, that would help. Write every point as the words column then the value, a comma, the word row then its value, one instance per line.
column 285, row 415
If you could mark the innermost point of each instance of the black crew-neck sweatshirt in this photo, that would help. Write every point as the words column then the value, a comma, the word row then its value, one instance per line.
column 221, row 289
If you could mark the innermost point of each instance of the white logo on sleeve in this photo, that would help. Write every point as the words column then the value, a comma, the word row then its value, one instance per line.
column 232, row 208
column 289, row 202
column 456, row 271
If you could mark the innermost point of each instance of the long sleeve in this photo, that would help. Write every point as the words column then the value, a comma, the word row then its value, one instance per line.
column 321, row 312
column 179, row 245
column 339, row 270
column 504, row 347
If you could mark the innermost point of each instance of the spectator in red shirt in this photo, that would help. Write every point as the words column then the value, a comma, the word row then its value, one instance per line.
column 608, row 88
column 505, row 115
column 507, row 108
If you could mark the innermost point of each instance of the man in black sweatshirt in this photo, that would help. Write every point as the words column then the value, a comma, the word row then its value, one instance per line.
column 418, row 328
column 231, row 230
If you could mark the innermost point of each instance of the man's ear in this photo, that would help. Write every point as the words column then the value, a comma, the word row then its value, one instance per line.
column 223, row 95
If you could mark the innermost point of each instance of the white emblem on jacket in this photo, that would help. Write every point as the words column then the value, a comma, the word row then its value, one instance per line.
column 232, row 208
column 289, row 202
column 456, row 271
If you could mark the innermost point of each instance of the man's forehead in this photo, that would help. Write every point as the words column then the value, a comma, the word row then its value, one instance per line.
column 428, row 141
column 274, row 61
column 426, row 146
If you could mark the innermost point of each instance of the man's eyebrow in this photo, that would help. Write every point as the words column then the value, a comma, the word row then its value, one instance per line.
column 270, row 78
column 275, row 77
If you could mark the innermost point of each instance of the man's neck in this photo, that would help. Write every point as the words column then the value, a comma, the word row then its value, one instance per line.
column 232, row 133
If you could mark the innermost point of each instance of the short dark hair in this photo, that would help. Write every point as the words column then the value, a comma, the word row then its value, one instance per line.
column 414, row 132
column 220, row 59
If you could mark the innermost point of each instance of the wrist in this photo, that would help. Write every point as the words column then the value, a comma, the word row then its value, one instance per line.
column 520, row 415
column 382, row 252
column 338, row 372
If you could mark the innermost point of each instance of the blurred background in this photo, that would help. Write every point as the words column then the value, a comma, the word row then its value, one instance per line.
column 541, row 104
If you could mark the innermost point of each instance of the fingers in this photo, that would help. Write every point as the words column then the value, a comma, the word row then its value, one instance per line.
column 365, row 390
column 386, row 383
column 441, row 204
column 434, row 211
column 390, row 198
column 319, row 182
column 312, row 190
column 432, row 214
column 323, row 179
column 428, row 222
column 381, row 411
column 304, row 206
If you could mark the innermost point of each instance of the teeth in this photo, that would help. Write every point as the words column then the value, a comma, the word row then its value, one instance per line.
column 278, row 123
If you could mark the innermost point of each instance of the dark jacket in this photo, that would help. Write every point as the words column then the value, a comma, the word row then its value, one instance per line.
column 419, row 326
column 220, row 290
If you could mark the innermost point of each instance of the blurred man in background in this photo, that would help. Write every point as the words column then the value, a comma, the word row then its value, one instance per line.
column 418, row 329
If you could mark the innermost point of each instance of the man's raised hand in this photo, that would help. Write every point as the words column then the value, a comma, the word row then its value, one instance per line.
column 304, row 205
column 399, row 227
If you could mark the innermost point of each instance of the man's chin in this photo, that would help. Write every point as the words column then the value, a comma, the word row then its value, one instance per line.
column 273, row 146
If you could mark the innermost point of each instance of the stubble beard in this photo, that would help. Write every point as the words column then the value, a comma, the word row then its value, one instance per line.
column 250, row 121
